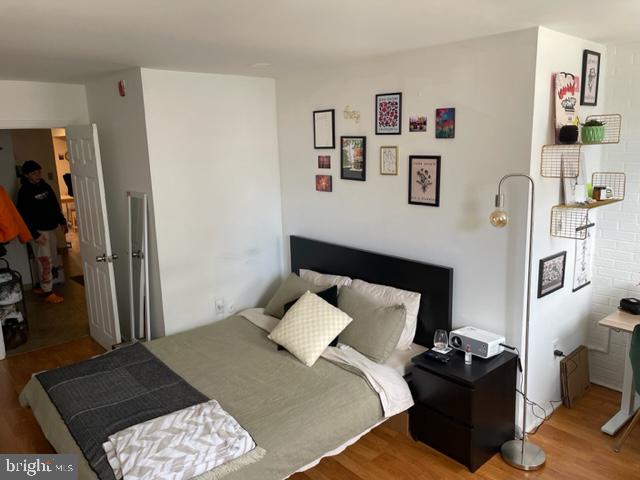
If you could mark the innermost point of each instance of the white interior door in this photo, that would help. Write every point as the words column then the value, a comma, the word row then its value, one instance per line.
column 93, row 228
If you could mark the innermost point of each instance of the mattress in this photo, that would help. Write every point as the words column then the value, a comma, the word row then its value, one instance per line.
column 296, row 413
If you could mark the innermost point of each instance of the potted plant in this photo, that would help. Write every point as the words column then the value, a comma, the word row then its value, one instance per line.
column 593, row 131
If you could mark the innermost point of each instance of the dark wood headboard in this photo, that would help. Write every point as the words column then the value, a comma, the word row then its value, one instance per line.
column 434, row 283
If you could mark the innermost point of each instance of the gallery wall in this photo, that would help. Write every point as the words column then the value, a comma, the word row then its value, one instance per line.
column 490, row 82
column 213, row 155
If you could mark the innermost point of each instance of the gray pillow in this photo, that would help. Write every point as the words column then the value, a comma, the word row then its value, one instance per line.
column 375, row 330
column 292, row 288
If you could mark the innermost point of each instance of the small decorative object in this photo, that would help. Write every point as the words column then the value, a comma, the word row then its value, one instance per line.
column 566, row 91
column 445, row 123
column 389, row 114
column 590, row 78
column 324, row 129
column 551, row 274
column 568, row 134
column 424, row 180
column 388, row 160
column 593, row 131
column 353, row 158
column 582, row 265
column 323, row 183
column 122, row 88
column 418, row 124
column 324, row 161
column 599, row 193
column 61, row 156
column 351, row 114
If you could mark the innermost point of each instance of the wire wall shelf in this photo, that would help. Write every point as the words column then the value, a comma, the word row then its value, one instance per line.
column 612, row 126
column 560, row 161
column 616, row 181
column 570, row 222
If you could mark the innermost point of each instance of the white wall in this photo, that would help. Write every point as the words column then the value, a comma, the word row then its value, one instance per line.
column 214, row 168
column 41, row 105
column 490, row 82
column 125, row 164
column 617, row 256
column 562, row 315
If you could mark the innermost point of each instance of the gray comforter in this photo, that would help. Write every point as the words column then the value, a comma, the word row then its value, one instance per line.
column 296, row 413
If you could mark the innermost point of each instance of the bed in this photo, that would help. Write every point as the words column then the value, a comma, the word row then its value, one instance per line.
column 295, row 413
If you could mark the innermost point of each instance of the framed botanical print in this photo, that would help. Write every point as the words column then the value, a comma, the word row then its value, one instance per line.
column 389, row 114
column 324, row 129
column 590, row 78
column 424, row 180
column 353, row 158
column 551, row 273
column 388, row 160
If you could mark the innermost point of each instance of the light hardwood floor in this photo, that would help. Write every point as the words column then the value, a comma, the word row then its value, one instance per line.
column 575, row 447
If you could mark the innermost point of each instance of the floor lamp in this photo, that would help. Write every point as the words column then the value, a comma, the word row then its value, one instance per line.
column 520, row 453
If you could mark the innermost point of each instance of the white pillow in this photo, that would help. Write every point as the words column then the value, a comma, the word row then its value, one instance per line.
column 388, row 296
column 308, row 328
column 324, row 280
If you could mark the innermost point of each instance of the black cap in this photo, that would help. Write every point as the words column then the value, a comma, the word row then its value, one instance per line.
column 30, row 166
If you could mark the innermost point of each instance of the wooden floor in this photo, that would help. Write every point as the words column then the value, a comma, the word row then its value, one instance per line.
column 575, row 447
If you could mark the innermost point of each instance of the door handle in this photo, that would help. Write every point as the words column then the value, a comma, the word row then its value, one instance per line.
column 137, row 254
column 106, row 258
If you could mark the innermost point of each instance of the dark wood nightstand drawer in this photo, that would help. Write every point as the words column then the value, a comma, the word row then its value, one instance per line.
column 445, row 435
column 443, row 395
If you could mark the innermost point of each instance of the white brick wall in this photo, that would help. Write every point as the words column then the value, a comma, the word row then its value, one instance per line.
column 616, row 262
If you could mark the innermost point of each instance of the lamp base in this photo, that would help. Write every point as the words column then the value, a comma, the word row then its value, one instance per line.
column 533, row 457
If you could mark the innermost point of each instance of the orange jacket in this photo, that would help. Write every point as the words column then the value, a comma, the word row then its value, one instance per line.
column 11, row 223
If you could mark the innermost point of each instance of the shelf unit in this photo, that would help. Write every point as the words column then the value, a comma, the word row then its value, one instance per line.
column 560, row 161
column 563, row 161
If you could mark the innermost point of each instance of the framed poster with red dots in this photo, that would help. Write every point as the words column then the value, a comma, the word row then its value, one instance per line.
column 389, row 114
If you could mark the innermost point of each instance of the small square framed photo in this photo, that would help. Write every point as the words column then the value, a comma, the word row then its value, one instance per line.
column 353, row 158
column 388, row 160
column 590, row 78
column 445, row 122
column 389, row 114
column 418, row 124
column 324, row 161
column 551, row 273
column 424, row 180
column 323, row 183
column 324, row 129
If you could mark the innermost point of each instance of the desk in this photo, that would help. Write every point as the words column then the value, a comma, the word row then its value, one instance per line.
column 623, row 322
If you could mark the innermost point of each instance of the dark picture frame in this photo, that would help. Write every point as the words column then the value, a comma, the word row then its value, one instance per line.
column 424, row 180
column 550, row 278
column 590, row 78
column 320, row 125
column 381, row 109
column 353, row 158
column 324, row 183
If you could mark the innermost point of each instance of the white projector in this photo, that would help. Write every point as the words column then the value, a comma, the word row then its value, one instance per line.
column 481, row 343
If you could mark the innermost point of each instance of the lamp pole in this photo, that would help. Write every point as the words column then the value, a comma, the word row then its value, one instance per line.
column 520, row 453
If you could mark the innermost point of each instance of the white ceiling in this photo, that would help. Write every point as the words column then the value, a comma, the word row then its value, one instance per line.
column 71, row 40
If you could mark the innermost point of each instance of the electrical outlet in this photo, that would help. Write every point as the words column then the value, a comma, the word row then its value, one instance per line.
column 219, row 306
column 230, row 308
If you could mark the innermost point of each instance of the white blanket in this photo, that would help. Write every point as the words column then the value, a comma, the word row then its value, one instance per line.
column 177, row 446
column 392, row 389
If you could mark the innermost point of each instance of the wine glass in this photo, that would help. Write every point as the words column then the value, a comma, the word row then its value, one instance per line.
column 441, row 341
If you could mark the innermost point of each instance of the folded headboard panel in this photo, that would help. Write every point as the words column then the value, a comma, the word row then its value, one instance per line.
column 434, row 283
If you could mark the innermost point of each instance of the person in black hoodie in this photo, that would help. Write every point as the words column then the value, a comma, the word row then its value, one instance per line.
column 39, row 207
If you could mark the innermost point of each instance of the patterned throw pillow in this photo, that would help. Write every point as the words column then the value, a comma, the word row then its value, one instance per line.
column 308, row 327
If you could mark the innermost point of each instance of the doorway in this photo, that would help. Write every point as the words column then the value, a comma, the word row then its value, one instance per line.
column 46, row 324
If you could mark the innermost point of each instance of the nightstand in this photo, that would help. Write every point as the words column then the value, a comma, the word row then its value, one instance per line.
column 464, row 411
